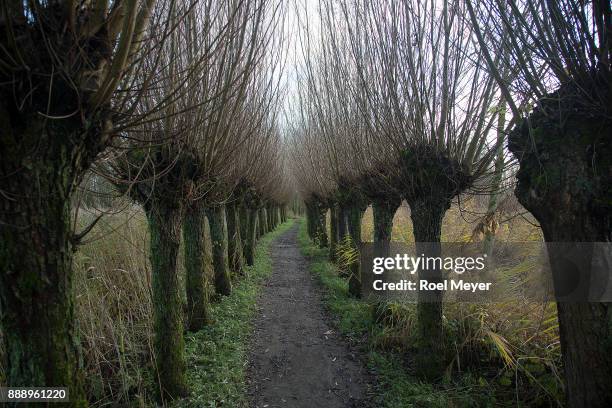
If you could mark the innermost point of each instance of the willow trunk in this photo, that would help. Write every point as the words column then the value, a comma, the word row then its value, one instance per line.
column 218, row 236
column 36, row 279
column 343, row 221
column 321, row 225
column 564, row 180
column 244, row 227
column 234, row 239
column 251, row 237
column 427, row 216
column 195, row 267
column 334, row 236
column 165, row 230
column 261, row 222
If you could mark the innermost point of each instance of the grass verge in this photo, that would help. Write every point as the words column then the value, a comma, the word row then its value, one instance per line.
column 396, row 388
column 217, row 355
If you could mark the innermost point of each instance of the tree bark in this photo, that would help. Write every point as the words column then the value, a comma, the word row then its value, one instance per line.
column 564, row 181
column 36, row 277
column 343, row 221
column 265, row 223
column 234, row 239
column 261, row 222
column 321, row 225
column 284, row 213
column 195, row 280
column 218, row 236
column 43, row 161
column 165, row 230
column 270, row 216
column 310, row 222
column 384, row 210
column 355, row 215
column 427, row 214
column 251, row 237
column 244, row 227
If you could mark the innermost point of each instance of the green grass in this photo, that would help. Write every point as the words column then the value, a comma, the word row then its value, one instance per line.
column 396, row 388
column 217, row 355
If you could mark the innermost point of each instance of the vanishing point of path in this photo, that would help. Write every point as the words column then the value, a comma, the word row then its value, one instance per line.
column 296, row 358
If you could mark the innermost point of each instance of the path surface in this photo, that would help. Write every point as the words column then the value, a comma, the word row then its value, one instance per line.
column 296, row 358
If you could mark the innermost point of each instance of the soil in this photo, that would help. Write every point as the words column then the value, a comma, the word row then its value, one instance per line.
column 297, row 359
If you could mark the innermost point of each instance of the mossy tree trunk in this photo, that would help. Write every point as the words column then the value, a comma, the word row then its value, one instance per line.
column 310, row 222
column 277, row 215
column 343, row 217
column 218, row 235
column 50, row 133
column 261, row 222
column 195, row 277
column 427, row 214
column 265, row 222
column 42, row 163
column 244, row 228
column 333, row 239
column 270, row 215
column 431, row 179
column 355, row 215
column 234, row 238
column 321, row 225
column 565, row 180
column 36, row 276
column 165, row 230
column 251, row 240
column 383, row 210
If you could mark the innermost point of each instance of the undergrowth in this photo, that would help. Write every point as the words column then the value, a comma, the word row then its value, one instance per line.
column 491, row 381
column 216, row 355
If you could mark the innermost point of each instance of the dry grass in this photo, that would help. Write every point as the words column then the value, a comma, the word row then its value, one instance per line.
column 512, row 344
column 114, row 309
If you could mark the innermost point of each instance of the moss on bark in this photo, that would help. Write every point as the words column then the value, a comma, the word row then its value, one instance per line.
column 165, row 229
column 218, row 235
column 195, row 277
column 261, row 222
column 43, row 161
column 355, row 215
column 427, row 215
column 384, row 211
column 321, row 225
column 251, row 237
column 36, row 292
column 343, row 217
column 244, row 227
column 234, row 239
column 565, row 181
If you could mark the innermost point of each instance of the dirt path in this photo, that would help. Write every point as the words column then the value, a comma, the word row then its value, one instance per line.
column 296, row 358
